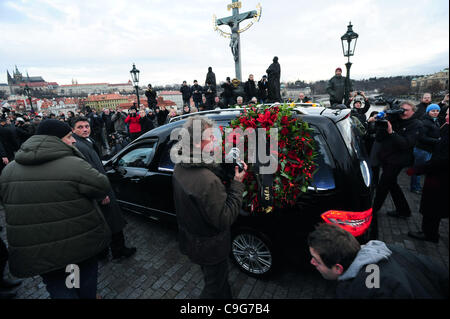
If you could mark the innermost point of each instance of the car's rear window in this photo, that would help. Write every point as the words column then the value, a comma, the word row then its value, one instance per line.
column 323, row 179
column 352, row 134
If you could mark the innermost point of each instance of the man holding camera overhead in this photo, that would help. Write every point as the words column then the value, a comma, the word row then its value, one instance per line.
column 397, row 133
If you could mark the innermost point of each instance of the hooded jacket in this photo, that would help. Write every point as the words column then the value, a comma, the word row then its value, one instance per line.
column 402, row 275
column 52, row 219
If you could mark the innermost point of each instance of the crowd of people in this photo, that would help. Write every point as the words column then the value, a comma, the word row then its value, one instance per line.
column 76, row 218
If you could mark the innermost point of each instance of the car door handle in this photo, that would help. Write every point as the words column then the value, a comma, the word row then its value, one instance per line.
column 135, row 180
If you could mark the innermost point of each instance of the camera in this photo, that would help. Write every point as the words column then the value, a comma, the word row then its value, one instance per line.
column 232, row 159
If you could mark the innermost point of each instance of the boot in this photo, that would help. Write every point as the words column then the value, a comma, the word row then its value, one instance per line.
column 118, row 248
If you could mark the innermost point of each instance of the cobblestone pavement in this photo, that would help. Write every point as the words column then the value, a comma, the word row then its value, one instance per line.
column 160, row 271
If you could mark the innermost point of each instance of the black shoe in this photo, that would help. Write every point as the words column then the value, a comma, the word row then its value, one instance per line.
column 7, row 295
column 9, row 283
column 394, row 213
column 125, row 252
column 421, row 236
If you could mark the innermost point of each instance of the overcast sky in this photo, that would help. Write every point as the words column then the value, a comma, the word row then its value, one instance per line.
column 171, row 41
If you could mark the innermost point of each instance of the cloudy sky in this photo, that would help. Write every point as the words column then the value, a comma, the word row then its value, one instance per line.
column 172, row 41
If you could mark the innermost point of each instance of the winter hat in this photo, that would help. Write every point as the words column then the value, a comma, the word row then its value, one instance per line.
column 53, row 128
column 338, row 69
column 432, row 107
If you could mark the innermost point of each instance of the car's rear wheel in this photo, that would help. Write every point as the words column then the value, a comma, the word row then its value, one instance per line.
column 253, row 253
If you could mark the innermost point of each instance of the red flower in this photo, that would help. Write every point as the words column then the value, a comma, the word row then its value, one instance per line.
column 285, row 131
column 284, row 120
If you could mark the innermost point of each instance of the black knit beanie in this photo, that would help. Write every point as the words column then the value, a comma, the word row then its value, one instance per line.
column 53, row 127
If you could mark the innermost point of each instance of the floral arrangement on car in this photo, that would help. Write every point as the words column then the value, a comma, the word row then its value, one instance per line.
column 294, row 155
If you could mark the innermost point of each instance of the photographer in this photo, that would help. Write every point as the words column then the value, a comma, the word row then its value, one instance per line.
column 358, row 110
column 133, row 121
column 118, row 119
column 398, row 135
column 205, row 208
column 24, row 130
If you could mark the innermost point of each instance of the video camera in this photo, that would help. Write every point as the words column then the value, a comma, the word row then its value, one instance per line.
column 381, row 118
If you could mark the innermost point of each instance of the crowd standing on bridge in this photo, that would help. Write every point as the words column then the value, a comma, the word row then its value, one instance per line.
column 32, row 144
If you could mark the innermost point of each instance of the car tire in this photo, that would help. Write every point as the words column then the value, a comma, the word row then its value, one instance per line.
column 253, row 252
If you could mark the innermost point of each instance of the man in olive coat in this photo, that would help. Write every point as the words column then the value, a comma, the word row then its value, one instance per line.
column 108, row 205
column 206, row 209
column 52, row 219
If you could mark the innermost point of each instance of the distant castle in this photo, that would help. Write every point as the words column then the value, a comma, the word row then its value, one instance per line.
column 17, row 82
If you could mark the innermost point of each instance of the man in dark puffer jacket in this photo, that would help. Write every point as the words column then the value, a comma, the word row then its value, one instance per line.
column 52, row 219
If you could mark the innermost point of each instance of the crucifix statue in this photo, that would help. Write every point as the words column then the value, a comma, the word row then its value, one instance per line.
column 233, row 22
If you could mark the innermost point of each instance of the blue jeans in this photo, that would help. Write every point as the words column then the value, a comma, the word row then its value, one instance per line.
column 56, row 282
column 420, row 158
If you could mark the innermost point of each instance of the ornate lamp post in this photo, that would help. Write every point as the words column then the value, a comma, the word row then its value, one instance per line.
column 349, row 40
column 27, row 92
column 135, row 78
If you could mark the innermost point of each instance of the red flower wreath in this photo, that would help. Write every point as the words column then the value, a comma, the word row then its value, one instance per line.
column 296, row 152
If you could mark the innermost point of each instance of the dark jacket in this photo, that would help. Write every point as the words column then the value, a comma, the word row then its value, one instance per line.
column 436, row 189
column 210, row 93
column 2, row 151
column 96, row 123
column 336, row 89
column 421, row 110
column 161, row 117
column 147, row 122
column 186, row 92
column 151, row 98
column 52, row 218
column 118, row 119
column 263, row 90
column 442, row 113
column 403, row 275
column 429, row 134
column 205, row 211
column 227, row 90
column 24, row 132
column 250, row 90
column 9, row 141
column 197, row 97
column 397, row 148
column 211, row 78
column 112, row 211
column 109, row 124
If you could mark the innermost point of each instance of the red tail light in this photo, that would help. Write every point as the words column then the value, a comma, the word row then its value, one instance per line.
column 354, row 222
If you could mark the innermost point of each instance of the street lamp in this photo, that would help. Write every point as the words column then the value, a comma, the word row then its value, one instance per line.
column 348, row 40
column 135, row 78
column 28, row 93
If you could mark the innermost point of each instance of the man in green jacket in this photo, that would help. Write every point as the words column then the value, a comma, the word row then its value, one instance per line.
column 205, row 208
column 53, row 223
